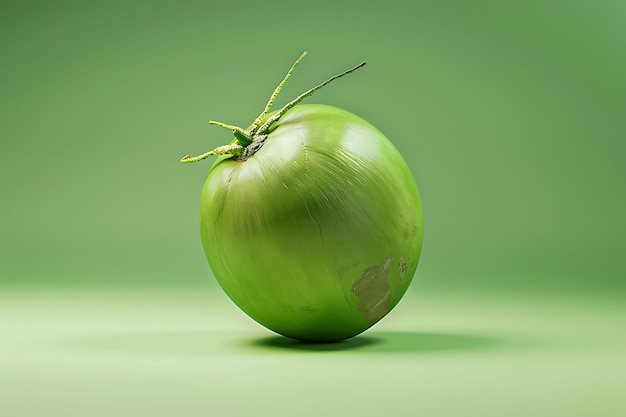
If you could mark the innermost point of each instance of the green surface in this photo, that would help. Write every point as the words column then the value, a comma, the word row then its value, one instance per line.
column 510, row 116
column 171, row 354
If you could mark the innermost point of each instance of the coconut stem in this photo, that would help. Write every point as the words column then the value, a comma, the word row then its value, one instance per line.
column 243, row 138
column 233, row 149
column 259, row 120
column 268, row 123
column 259, row 128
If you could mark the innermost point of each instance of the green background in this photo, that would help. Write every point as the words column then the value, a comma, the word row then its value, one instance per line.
column 509, row 114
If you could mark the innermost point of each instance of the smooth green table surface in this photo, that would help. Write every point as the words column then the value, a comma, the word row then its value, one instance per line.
column 84, row 353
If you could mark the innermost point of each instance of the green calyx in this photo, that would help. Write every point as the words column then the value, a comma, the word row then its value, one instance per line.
column 248, row 141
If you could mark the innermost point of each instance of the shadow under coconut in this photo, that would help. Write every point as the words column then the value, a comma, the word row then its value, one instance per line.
column 375, row 342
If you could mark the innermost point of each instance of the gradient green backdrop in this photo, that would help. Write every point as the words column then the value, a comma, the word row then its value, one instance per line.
column 510, row 114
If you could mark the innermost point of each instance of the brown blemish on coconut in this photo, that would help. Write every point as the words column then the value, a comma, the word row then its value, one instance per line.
column 374, row 291
column 308, row 310
column 410, row 234
column 402, row 268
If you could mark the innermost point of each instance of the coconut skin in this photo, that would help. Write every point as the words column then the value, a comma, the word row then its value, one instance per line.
column 318, row 233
